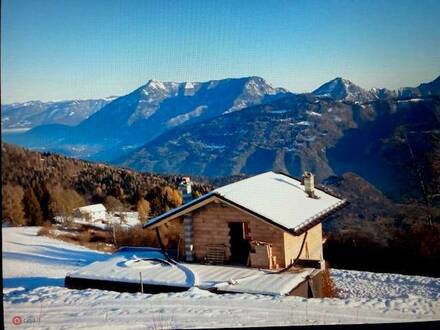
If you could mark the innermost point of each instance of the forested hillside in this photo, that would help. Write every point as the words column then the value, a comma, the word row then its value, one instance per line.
column 374, row 233
column 38, row 186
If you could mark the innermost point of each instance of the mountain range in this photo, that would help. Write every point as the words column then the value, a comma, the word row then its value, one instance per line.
column 244, row 125
column 158, row 106
column 30, row 114
column 134, row 119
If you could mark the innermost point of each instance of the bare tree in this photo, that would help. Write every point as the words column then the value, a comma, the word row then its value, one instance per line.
column 113, row 204
column 143, row 208
column 12, row 204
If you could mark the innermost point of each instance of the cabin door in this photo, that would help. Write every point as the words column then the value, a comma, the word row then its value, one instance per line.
column 239, row 245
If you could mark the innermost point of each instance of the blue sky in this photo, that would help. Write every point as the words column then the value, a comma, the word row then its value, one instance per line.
column 65, row 49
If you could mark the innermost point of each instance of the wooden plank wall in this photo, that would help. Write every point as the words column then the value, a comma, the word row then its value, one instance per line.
column 312, row 249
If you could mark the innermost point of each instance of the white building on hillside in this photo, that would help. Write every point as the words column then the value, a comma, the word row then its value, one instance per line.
column 91, row 212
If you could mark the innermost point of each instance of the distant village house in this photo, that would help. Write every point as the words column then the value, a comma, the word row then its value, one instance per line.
column 91, row 213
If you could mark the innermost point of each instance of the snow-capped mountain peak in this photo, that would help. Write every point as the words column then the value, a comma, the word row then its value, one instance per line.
column 157, row 105
column 155, row 84
column 344, row 90
column 260, row 86
column 255, row 90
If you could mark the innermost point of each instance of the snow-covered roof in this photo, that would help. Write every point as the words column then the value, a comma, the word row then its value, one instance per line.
column 270, row 283
column 125, row 266
column 275, row 197
column 279, row 198
column 92, row 208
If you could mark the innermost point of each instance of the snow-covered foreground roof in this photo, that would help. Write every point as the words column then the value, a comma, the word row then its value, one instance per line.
column 269, row 284
column 126, row 266
column 33, row 277
column 275, row 197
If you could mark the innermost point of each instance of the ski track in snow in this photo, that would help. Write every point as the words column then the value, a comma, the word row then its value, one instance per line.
column 34, row 268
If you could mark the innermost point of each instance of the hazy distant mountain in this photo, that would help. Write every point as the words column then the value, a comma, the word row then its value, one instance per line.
column 134, row 119
column 158, row 106
column 344, row 90
column 431, row 88
column 35, row 113
column 425, row 89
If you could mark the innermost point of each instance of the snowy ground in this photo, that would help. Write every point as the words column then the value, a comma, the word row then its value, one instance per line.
column 34, row 268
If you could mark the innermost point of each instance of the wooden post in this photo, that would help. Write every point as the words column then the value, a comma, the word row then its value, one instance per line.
column 142, row 283
column 114, row 235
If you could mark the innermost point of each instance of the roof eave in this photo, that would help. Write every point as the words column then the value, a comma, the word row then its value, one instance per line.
column 309, row 224
column 171, row 213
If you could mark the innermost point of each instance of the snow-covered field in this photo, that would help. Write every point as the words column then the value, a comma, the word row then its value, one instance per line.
column 34, row 268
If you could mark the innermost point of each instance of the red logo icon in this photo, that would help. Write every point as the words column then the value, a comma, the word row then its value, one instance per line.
column 16, row 320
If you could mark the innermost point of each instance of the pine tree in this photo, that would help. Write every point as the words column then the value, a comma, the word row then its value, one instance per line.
column 33, row 209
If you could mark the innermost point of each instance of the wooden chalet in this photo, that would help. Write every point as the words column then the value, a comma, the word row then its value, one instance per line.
column 269, row 221
column 261, row 235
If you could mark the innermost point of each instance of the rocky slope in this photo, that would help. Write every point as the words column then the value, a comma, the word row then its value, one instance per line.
column 289, row 134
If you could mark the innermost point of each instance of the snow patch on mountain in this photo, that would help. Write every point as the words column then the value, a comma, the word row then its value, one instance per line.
column 178, row 120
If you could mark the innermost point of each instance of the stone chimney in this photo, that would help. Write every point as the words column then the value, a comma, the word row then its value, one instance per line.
column 309, row 184
column 185, row 189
